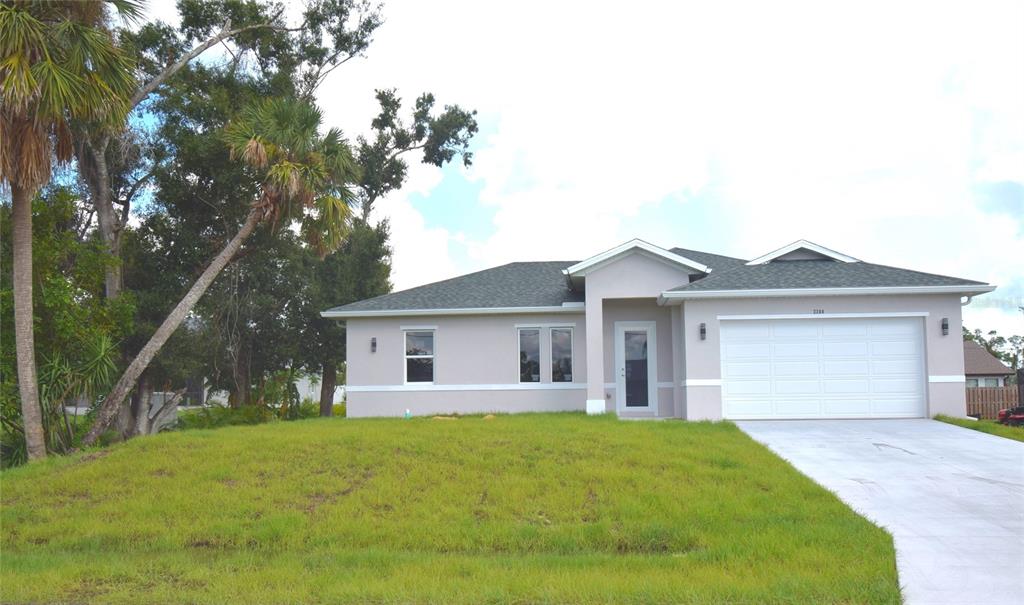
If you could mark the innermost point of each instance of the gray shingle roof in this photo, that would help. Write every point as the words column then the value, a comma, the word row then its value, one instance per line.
column 537, row 284
column 817, row 274
column 542, row 284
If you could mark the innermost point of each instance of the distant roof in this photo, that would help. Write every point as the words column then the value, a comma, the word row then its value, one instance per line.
column 979, row 362
column 817, row 274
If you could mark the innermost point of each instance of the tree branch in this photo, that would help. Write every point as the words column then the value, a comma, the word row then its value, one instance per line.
column 175, row 67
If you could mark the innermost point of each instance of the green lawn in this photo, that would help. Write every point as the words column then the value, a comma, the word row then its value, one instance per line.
column 556, row 508
column 986, row 426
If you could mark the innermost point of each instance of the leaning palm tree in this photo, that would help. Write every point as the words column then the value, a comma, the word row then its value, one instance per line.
column 303, row 177
column 58, row 65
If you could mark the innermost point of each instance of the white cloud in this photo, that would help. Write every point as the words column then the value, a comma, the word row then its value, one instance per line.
column 864, row 126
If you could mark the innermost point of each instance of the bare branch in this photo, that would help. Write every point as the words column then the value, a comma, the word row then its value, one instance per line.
column 175, row 67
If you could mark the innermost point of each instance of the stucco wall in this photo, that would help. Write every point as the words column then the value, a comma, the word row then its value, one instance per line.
column 943, row 354
column 468, row 350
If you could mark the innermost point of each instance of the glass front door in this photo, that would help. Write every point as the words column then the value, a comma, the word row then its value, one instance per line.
column 637, row 391
column 635, row 363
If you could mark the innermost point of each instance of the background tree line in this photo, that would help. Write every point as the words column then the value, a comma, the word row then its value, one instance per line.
column 178, row 210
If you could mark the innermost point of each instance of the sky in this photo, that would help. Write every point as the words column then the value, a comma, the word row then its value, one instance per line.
column 892, row 132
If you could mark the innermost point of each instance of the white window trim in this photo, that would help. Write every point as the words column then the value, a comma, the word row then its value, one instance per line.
column 406, row 356
column 572, row 352
column 540, row 353
column 804, row 245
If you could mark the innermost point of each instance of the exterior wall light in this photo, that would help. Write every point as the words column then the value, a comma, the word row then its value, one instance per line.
column 373, row 344
column 945, row 326
column 703, row 331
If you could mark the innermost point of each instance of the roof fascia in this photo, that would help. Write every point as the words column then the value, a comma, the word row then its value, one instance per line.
column 597, row 261
column 669, row 297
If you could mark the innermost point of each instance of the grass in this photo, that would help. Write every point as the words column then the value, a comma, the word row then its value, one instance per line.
column 986, row 426
column 555, row 508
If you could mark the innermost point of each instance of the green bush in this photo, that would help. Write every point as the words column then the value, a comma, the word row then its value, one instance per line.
column 215, row 416
column 339, row 409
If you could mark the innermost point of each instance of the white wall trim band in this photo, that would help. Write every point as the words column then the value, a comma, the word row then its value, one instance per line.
column 467, row 311
column 825, row 315
column 702, row 382
column 426, row 387
column 564, row 324
column 661, row 385
column 953, row 378
column 671, row 295
column 413, row 328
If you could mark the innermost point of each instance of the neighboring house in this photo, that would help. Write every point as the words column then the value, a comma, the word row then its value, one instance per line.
column 647, row 332
column 981, row 368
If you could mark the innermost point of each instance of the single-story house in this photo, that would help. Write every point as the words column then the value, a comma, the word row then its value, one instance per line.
column 648, row 332
column 983, row 369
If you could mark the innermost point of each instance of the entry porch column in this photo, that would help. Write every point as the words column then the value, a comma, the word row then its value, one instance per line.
column 595, row 355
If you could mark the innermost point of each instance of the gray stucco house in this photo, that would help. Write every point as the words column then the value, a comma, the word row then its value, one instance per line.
column 648, row 332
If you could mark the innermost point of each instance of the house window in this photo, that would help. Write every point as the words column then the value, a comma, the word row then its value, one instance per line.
column 561, row 354
column 529, row 355
column 972, row 383
column 988, row 382
column 419, row 356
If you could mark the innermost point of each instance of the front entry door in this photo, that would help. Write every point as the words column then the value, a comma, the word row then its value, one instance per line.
column 635, row 366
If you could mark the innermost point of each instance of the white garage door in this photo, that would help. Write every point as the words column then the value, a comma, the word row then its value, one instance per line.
column 823, row 368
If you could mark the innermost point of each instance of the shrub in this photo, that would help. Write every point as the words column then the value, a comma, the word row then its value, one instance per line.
column 339, row 409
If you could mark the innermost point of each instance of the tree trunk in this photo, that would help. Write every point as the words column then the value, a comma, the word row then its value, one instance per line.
column 141, row 404
column 97, row 177
column 328, row 382
column 108, row 410
column 243, row 380
column 25, row 348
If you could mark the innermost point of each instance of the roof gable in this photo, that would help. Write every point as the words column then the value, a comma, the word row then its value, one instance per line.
column 803, row 250
column 636, row 246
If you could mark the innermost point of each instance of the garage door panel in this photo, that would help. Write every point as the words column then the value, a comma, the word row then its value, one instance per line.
column 896, row 385
column 794, row 329
column 749, row 387
column 895, row 347
column 833, row 329
column 797, row 387
column 905, row 407
column 797, row 408
column 844, row 349
column 846, row 368
column 795, row 368
column 839, row 386
column 749, row 408
column 909, row 365
column 757, row 369
column 823, row 368
column 740, row 351
column 849, row 408
column 796, row 349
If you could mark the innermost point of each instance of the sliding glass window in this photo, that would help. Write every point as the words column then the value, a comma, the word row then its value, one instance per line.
column 529, row 355
column 561, row 354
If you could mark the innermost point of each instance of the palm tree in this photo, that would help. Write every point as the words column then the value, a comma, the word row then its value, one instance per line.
column 58, row 65
column 303, row 178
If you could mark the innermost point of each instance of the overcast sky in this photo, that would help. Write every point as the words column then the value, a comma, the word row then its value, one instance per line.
column 890, row 131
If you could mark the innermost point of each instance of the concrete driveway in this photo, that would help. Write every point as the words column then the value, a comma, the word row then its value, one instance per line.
column 952, row 498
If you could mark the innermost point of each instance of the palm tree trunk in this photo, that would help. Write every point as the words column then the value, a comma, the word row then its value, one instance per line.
column 25, row 348
column 108, row 410
column 328, row 382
